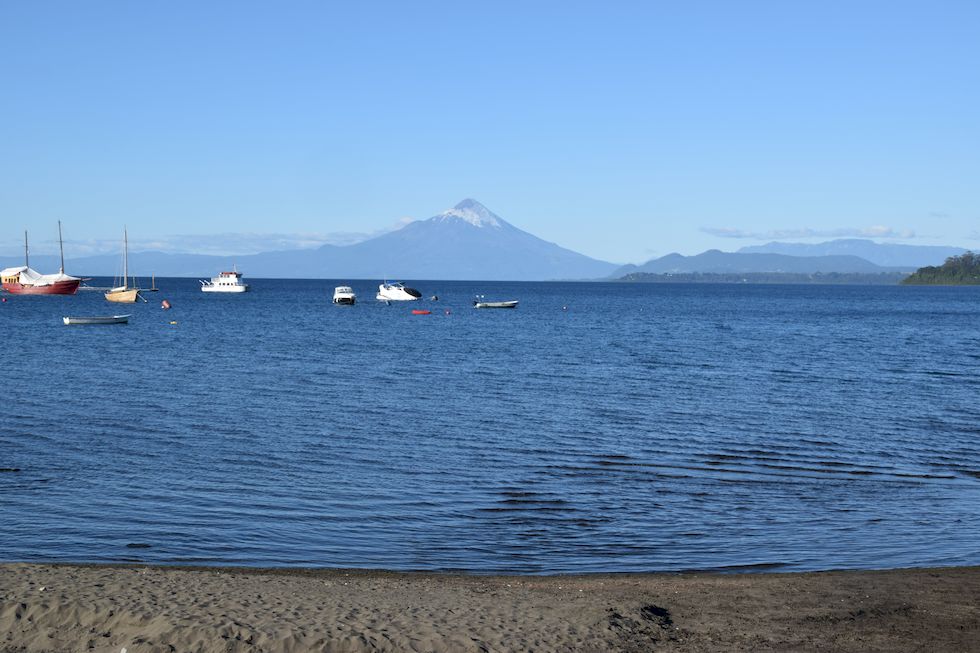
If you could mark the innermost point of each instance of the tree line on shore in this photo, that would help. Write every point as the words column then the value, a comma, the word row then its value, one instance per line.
column 957, row 270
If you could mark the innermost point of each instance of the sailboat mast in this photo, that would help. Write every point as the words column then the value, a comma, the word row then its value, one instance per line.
column 27, row 256
column 61, row 247
column 125, row 259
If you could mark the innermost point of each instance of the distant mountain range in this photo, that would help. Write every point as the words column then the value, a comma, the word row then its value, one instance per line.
column 844, row 256
column 885, row 254
column 717, row 262
column 467, row 242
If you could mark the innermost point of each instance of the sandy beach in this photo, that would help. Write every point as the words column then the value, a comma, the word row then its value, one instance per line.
column 62, row 608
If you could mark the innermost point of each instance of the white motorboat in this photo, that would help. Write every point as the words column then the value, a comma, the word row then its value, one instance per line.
column 98, row 319
column 344, row 295
column 225, row 282
column 397, row 292
column 507, row 304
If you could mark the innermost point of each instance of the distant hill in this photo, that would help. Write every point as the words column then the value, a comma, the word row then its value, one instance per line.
column 817, row 278
column 963, row 270
column 718, row 262
column 884, row 254
column 465, row 242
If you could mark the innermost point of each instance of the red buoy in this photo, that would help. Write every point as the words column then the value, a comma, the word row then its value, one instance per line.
column 418, row 312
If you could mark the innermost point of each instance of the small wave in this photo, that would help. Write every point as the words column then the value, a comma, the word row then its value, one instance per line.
column 738, row 569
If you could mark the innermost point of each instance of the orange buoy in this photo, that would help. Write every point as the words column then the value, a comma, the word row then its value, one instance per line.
column 165, row 304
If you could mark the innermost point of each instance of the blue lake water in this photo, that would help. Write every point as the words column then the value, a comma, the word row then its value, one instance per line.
column 645, row 428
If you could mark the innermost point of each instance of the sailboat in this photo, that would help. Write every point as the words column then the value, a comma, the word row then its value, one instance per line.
column 124, row 294
column 25, row 281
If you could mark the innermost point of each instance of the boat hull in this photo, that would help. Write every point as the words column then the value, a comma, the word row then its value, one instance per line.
column 511, row 304
column 397, row 297
column 99, row 319
column 122, row 296
column 233, row 289
column 67, row 287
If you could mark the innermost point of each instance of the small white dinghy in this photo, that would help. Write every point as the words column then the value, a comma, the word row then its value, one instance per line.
column 510, row 304
column 97, row 319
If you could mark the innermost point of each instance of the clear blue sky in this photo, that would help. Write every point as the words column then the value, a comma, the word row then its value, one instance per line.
column 622, row 130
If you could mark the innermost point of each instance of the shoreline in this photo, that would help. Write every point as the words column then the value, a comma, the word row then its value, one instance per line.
column 97, row 607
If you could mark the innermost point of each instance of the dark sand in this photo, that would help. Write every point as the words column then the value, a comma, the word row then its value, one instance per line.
column 62, row 608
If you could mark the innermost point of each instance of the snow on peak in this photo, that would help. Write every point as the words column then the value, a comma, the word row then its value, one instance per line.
column 473, row 212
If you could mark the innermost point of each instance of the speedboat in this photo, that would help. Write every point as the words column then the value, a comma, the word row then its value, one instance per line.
column 225, row 282
column 508, row 304
column 344, row 295
column 397, row 292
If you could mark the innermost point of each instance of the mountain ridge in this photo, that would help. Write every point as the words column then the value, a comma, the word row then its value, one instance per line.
column 470, row 242
column 718, row 262
column 466, row 242
column 885, row 254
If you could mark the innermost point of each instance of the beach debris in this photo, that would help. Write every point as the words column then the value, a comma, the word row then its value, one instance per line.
column 659, row 615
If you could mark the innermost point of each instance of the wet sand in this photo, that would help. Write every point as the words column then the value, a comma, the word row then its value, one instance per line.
column 62, row 608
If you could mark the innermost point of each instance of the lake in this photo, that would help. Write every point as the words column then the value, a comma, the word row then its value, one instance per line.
column 598, row 427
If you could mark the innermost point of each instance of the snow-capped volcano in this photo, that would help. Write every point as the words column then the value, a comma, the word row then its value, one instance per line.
column 471, row 211
column 466, row 242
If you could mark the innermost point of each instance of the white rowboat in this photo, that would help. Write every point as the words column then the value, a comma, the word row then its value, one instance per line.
column 510, row 304
column 98, row 319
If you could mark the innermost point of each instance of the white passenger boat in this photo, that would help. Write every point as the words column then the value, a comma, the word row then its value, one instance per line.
column 225, row 282
column 508, row 304
column 397, row 292
column 344, row 295
column 97, row 319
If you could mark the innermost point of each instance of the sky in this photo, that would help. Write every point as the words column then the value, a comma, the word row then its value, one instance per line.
column 622, row 130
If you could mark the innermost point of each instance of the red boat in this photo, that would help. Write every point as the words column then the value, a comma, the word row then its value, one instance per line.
column 25, row 281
